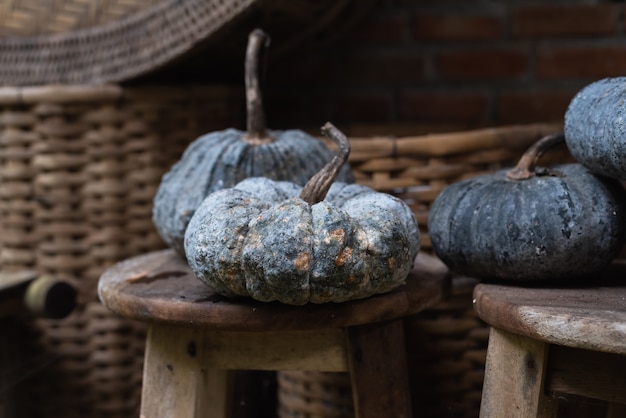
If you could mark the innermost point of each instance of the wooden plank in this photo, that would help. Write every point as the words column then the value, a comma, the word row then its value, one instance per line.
column 214, row 394
column 176, row 384
column 514, row 377
column 592, row 318
column 378, row 370
column 320, row 350
column 587, row 373
column 187, row 371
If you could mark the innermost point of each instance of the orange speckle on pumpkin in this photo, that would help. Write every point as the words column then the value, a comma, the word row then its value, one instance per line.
column 337, row 234
column 343, row 256
column 303, row 261
column 392, row 264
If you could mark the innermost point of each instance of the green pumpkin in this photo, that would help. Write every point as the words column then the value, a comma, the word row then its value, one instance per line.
column 222, row 159
column 529, row 223
column 326, row 242
column 595, row 127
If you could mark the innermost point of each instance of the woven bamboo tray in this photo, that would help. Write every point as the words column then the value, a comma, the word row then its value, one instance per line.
column 447, row 345
column 105, row 41
column 79, row 167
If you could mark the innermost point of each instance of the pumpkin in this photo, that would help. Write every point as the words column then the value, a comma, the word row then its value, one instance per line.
column 324, row 242
column 222, row 159
column 595, row 127
column 529, row 223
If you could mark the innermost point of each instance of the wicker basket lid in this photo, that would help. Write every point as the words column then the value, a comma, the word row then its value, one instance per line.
column 101, row 41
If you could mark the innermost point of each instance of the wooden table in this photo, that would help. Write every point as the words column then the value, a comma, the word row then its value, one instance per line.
column 196, row 336
column 549, row 341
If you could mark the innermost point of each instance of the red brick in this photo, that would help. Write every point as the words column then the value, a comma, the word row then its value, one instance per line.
column 448, row 27
column 428, row 2
column 305, row 69
column 581, row 62
column 533, row 106
column 350, row 106
column 442, row 107
column 564, row 20
column 381, row 29
column 285, row 111
column 306, row 108
column 482, row 64
column 388, row 68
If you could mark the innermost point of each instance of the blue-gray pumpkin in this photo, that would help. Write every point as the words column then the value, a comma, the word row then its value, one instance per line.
column 595, row 127
column 529, row 223
column 222, row 159
column 276, row 241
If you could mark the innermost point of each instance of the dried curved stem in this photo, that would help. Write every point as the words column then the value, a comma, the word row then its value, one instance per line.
column 525, row 167
column 256, row 123
column 315, row 189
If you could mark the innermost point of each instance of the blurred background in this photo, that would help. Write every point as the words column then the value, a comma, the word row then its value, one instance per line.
column 99, row 98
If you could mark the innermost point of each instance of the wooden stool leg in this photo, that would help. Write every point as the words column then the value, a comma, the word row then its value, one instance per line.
column 378, row 370
column 514, row 378
column 175, row 382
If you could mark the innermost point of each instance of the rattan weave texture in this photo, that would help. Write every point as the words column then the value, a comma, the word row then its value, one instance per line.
column 417, row 168
column 109, row 41
column 36, row 17
column 79, row 166
column 120, row 49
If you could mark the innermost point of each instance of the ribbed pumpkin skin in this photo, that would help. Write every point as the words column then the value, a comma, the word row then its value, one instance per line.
column 595, row 127
column 544, row 227
column 260, row 240
column 222, row 159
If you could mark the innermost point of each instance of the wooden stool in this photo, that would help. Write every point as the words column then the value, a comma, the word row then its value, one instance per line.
column 196, row 336
column 545, row 343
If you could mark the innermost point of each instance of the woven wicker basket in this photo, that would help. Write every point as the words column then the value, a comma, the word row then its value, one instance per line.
column 79, row 167
column 447, row 345
column 105, row 41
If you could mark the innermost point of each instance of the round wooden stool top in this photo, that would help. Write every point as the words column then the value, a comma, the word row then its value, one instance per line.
column 160, row 287
column 592, row 318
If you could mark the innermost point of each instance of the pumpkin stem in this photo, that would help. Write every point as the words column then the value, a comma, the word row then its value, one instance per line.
column 525, row 167
column 256, row 125
column 315, row 189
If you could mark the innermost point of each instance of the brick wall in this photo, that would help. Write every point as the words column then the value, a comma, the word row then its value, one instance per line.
column 453, row 63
